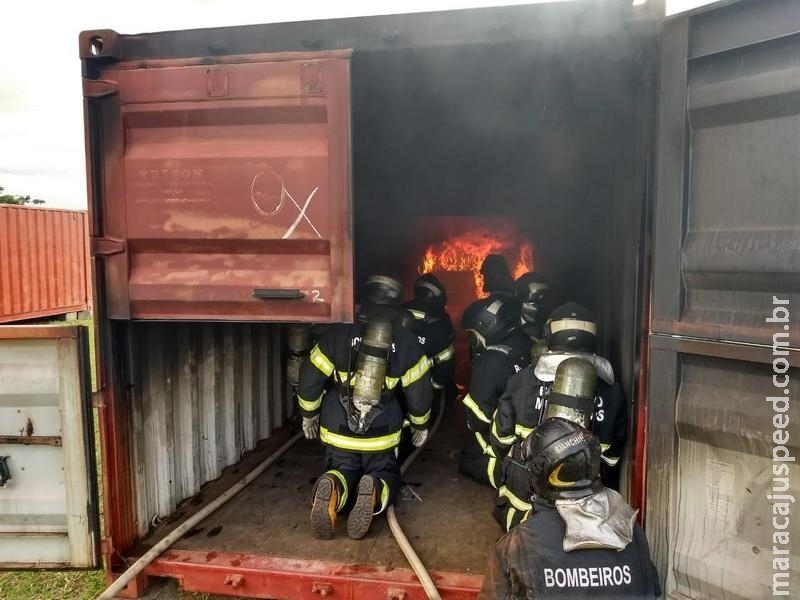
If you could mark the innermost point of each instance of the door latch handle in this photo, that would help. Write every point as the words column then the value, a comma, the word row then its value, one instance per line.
column 278, row 294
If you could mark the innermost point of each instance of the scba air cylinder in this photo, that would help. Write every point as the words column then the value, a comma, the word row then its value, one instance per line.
column 371, row 365
column 573, row 393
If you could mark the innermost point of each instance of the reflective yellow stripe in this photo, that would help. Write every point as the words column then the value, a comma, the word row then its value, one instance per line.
column 505, row 440
column 510, row 518
column 515, row 500
column 343, row 376
column 343, row 493
column 490, row 471
column 310, row 405
column 445, row 354
column 346, row 442
column 415, row 372
column 384, row 497
column 609, row 460
column 418, row 314
column 523, row 431
column 322, row 362
column 420, row 420
column 581, row 325
column 476, row 410
column 487, row 448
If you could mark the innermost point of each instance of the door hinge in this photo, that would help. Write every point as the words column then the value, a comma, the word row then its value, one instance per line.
column 99, row 88
column 107, row 246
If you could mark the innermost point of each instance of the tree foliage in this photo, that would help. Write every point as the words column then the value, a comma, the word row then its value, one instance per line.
column 19, row 200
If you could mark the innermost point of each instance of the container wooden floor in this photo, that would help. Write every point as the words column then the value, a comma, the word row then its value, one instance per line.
column 450, row 523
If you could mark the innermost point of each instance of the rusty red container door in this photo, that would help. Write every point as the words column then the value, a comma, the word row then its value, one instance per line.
column 234, row 199
column 42, row 262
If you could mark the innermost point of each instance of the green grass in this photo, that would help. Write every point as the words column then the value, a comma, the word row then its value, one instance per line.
column 58, row 585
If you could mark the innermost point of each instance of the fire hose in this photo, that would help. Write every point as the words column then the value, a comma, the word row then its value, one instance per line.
column 142, row 563
column 154, row 552
column 402, row 541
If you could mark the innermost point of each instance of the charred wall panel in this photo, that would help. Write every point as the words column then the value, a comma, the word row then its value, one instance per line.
column 43, row 260
column 202, row 395
column 551, row 136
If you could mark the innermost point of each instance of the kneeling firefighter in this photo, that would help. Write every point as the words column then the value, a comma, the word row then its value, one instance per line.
column 434, row 329
column 571, row 396
column 571, row 331
column 582, row 540
column 504, row 350
column 348, row 397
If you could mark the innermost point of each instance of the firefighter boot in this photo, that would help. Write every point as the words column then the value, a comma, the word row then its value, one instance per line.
column 323, row 510
column 360, row 517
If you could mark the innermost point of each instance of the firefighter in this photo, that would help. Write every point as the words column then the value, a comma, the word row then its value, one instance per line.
column 497, row 278
column 571, row 331
column 532, row 293
column 348, row 398
column 519, row 411
column 497, row 283
column 568, row 367
column 435, row 330
column 504, row 350
column 582, row 540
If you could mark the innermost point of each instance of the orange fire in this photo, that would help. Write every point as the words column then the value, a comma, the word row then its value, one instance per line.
column 467, row 252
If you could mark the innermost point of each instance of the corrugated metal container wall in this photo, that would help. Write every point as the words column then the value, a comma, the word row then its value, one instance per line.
column 43, row 261
column 204, row 394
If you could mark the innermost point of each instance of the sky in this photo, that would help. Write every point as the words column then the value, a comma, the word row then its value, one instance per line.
column 41, row 105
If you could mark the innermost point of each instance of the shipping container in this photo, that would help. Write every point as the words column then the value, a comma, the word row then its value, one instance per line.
column 246, row 178
column 44, row 255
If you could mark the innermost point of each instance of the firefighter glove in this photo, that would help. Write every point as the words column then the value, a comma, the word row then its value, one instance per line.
column 311, row 427
column 419, row 436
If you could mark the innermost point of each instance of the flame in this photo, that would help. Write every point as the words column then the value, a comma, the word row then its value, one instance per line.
column 525, row 261
column 466, row 252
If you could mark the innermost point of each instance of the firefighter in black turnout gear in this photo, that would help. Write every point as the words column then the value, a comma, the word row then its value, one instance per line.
column 532, row 293
column 348, row 397
column 582, row 540
column 497, row 279
column 434, row 329
column 569, row 369
column 519, row 411
column 571, row 331
column 503, row 351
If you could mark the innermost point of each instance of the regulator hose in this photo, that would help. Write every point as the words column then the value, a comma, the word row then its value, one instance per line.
column 140, row 565
column 397, row 531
